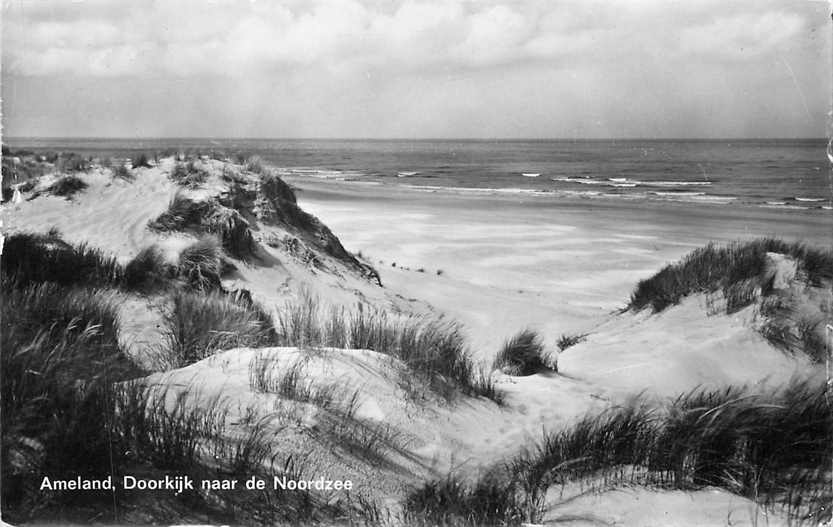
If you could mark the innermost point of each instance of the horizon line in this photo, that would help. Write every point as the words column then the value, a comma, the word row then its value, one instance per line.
column 471, row 139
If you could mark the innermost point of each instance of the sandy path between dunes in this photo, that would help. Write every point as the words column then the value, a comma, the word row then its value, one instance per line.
column 511, row 262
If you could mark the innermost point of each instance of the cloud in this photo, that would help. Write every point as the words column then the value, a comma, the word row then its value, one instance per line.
column 416, row 68
column 741, row 36
column 234, row 37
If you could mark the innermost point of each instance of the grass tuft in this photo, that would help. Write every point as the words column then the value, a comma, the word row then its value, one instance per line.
column 199, row 325
column 568, row 341
column 68, row 186
column 123, row 173
column 201, row 264
column 523, row 354
column 434, row 349
column 450, row 501
column 141, row 161
column 148, row 270
column 188, row 174
column 208, row 217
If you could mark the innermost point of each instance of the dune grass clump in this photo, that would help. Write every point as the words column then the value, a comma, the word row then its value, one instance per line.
column 451, row 501
column 182, row 213
column 189, row 174
column 73, row 406
column 568, row 341
column 148, row 270
column 201, row 264
column 123, row 173
column 141, row 161
column 208, row 217
column 771, row 448
column 233, row 230
column 434, row 349
column 198, row 325
column 60, row 356
column 292, row 383
column 523, row 354
column 34, row 258
column 68, row 186
column 737, row 269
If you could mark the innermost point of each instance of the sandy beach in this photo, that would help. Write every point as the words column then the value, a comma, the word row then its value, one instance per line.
column 509, row 262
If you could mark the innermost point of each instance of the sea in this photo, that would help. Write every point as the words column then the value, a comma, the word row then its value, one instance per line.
column 775, row 173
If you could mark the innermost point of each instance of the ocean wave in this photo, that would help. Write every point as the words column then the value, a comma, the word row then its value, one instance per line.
column 782, row 205
column 321, row 173
column 583, row 181
column 809, row 199
column 481, row 190
column 677, row 193
column 676, row 183
column 679, row 196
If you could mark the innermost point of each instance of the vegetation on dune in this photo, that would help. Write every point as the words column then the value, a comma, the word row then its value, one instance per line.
column 210, row 217
column 34, row 258
column 568, row 341
column 68, row 186
column 735, row 269
column 199, row 325
column 523, row 354
column 280, row 204
column 148, row 270
column 741, row 272
column 773, row 449
column 201, row 264
column 123, row 173
column 37, row 258
column 188, row 174
column 67, row 411
column 435, row 349
column 60, row 355
column 491, row 500
column 182, row 212
column 141, row 161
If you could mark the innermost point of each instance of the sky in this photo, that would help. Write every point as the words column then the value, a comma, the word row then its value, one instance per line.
column 416, row 68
